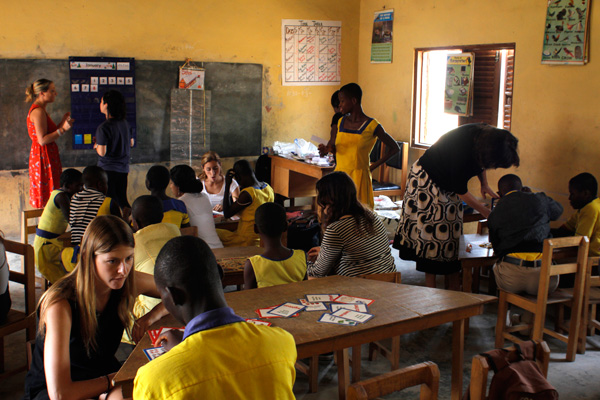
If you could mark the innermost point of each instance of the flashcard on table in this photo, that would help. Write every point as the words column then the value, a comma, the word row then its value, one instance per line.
column 264, row 313
column 317, row 306
column 316, row 298
column 154, row 352
column 354, row 307
column 257, row 322
column 286, row 309
column 155, row 333
column 353, row 300
column 353, row 315
column 331, row 319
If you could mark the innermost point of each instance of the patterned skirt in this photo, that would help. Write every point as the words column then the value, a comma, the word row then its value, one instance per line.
column 430, row 225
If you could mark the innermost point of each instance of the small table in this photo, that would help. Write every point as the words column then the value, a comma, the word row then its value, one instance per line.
column 232, row 260
column 292, row 178
column 398, row 309
column 478, row 257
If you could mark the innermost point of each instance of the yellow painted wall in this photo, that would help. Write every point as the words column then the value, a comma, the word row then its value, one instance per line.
column 555, row 108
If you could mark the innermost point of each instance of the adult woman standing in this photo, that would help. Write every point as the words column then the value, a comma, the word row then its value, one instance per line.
column 113, row 143
column 432, row 212
column 44, row 161
column 355, row 241
column 214, row 181
column 188, row 189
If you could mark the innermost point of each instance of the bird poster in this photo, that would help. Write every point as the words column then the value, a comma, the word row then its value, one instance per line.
column 381, row 41
column 566, row 33
column 458, row 92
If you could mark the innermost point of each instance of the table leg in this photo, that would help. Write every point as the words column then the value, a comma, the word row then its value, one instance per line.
column 343, row 366
column 458, row 347
column 467, row 281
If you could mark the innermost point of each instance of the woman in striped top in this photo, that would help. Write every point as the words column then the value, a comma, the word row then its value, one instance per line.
column 355, row 241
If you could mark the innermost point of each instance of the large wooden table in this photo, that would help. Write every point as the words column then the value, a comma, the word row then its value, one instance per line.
column 292, row 178
column 232, row 259
column 398, row 309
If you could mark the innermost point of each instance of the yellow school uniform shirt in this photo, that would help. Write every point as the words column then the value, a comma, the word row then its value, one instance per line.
column 46, row 246
column 234, row 361
column 277, row 272
column 175, row 212
column 586, row 222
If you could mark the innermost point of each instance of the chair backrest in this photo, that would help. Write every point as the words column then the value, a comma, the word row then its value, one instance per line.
column 399, row 161
column 394, row 277
column 425, row 374
column 27, row 224
column 189, row 231
column 27, row 275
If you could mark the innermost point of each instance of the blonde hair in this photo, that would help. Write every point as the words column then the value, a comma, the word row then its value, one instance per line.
column 206, row 158
column 37, row 87
column 102, row 235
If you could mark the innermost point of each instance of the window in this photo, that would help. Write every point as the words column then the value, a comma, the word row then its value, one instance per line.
column 492, row 90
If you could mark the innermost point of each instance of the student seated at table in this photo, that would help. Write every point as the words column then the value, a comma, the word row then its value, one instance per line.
column 253, row 194
column 82, row 317
column 85, row 206
column 278, row 264
column 219, row 355
column 175, row 212
column 53, row 223
column 213, row 180
column 188, row 189
column 355, row 241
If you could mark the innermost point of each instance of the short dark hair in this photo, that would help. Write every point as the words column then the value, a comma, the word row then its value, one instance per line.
column 115, row 102
column 243, row 168
column 353, row 91
column 270, row 219
column 92, row 175
column 496, row 148
column 508, row 183
column 147, row 209
column 158, row 177
column 585, row 181
column 335, row 99
column 70, row 176
column 184, row 177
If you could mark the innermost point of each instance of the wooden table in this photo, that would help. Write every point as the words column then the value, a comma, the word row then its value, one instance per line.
column 292, row 178
column 478, row 257
column 398, row 309
column 232, row 260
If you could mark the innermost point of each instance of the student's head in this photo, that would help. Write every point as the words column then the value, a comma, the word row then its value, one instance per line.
column 95, row 177
column 509, row 183
column 350, row 96
column 211, row 166
column 187, row 276
column 157, row 178
column 271, row 220
column 146, row 210
column 243, row 173
column 495, row 148
column 113, row 102
column 42, row 87
column 183, row 180
column 335, row 101
column 71, row 181
column 583, row 188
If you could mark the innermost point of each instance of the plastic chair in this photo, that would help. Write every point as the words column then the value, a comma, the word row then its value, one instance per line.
column 425, row 374
column 382, row 185
column 538, row 304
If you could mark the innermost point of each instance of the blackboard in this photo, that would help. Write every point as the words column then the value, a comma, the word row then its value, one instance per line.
column 235, row 120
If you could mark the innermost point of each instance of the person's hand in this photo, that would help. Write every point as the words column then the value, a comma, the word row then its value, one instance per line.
column 140, row 327
column 229, row 176
column 169, row 339
column 487, row 190
column 67, row 122
column 218, row 207
column 313, row 254
column 323, row 150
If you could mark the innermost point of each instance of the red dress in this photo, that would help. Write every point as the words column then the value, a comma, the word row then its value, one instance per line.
column 44, row 164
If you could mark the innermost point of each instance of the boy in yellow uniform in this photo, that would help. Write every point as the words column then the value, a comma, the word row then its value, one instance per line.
column 219, row 355
column 278, row 264
column 53, row 223
column 175, row 211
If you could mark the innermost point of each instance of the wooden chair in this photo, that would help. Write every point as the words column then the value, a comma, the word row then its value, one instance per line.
column 18, row 320
column 425, row 374
column 538, row 304
column 480, row 369
column 189, row 231
column 381, row 184
column 29, row 223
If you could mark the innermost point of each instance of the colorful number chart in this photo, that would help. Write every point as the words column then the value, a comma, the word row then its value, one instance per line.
column 90, row 78
column 312, row 52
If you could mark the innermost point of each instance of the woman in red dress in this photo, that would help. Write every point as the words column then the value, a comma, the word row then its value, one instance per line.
column 44, row 161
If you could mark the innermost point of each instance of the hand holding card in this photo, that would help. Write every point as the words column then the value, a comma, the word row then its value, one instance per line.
column 169, row 339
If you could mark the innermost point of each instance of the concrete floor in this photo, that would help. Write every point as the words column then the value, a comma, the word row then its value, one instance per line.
column 576, row 380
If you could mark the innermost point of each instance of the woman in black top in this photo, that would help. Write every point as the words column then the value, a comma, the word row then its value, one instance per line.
column 431, row 221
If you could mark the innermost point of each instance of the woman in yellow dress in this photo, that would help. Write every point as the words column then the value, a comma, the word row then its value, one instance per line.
column 353, row 141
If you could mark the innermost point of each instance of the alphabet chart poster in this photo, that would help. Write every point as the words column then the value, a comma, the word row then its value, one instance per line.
column 311, row 52
column 90, row 78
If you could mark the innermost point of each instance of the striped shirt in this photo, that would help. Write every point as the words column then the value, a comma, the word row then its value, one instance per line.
column 84, row 208
column 350, row 252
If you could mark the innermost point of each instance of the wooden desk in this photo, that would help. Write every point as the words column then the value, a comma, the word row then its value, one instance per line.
column 292, row 178
column 232, row 260
column 398, row 309
column 478, row 257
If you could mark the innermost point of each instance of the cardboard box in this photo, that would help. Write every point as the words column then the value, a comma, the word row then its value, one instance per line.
column 191, row 77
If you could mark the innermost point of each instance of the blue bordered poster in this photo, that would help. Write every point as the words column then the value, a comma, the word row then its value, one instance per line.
column 382, row 38
column 90, row 78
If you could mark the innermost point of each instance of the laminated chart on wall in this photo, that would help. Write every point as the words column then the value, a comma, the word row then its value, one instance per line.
column 90, row 78
column 458, row 92
column 566, row 32
column 381, row 40
column 311, row 52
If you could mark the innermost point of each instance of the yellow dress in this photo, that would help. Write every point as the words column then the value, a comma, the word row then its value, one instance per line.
column 352, row 151
column 245, row 235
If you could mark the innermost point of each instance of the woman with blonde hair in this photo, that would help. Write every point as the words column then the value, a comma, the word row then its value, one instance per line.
column 44, row 161
column 83, row 316
column 214, row 181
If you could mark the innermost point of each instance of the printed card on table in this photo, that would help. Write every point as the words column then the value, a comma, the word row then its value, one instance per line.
column 286, row 309
column 354, row 307
column 257, row 322
column 155, row 333
column 316, row 298
column 353, row 300
column 264, row 313
column 353, row 315
column 331, row 319
column 154, row 352
column 317, row 306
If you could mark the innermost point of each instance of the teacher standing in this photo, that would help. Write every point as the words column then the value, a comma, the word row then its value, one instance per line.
column 432, row 212
column 44, row 161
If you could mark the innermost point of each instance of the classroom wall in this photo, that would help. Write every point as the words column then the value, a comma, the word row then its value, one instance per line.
column 224, row 31
column 555, row 108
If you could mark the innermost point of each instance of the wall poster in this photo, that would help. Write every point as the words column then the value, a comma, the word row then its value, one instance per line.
column 381, row 42
column 458, row 96
column 566, row 33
